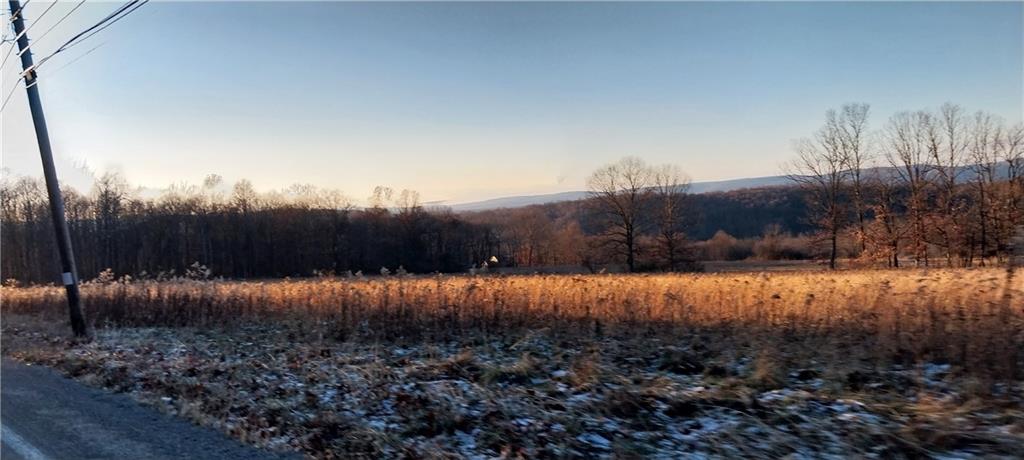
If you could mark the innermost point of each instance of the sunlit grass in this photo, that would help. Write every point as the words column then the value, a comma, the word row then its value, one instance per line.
column 970, row 318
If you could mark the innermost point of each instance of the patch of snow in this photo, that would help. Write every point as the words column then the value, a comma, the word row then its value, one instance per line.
column 595, row 440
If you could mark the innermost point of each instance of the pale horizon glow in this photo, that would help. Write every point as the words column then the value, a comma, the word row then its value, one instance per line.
column 472, row 101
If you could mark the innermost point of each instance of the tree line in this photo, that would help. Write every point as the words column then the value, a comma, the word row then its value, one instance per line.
column 241, row 234
column 940, row 187
column 937, row 186
column 237, row 232
column 764, row 223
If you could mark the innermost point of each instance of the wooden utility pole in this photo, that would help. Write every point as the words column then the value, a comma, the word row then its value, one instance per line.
column 69, row 273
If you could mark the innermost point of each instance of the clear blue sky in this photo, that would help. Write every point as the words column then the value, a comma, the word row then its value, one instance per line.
column 466, row 101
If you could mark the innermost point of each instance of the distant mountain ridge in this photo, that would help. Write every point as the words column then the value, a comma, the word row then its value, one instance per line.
column 963, row 173
column 696, row 187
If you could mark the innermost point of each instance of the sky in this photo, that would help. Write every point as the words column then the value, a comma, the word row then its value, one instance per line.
column 470, row 101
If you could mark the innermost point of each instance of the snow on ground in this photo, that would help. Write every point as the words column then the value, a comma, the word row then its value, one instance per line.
column 535, row 397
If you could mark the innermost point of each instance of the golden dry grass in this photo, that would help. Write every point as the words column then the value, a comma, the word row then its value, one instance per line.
column 970, row 318
column 872, row 364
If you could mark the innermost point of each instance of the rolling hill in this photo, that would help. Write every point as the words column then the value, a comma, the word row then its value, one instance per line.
column 696, row 187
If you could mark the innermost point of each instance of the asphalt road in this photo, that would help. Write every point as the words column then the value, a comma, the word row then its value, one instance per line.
column 46, row 416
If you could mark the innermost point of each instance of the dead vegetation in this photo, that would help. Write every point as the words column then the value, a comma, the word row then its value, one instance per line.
column 872, row 363
column 968, row 318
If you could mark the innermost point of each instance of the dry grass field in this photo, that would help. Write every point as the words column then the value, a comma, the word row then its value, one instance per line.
column 907, row 363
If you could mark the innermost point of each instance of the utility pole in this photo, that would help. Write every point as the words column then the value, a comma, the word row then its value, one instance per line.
column 69, row 273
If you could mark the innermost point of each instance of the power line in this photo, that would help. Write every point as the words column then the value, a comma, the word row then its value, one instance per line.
column 14, row 41
column 48, row 76
column 11, row 93
column 14, row 14
column 47, row 10
column 139, row 5
column 9, row 51
column 117, row 15
column 110, row 19
column 80, row 56
column 41, row 36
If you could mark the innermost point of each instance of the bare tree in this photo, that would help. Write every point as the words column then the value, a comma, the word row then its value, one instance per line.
column 110, row 193
column 380, row 198
column 670, row 185
column 1013, row 155
column 212, row 196
column 947, row 144
column 907, row 151
column 821, row 168
column 244, row 197
column 851, row 126
column 620, row 190
column 984, row 147
column 408, row 202
column 887, row 229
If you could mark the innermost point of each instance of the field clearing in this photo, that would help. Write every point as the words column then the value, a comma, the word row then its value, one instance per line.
column 904, row 363
column 968, row 317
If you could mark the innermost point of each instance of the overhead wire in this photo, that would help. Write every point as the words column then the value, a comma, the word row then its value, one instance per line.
column 8, row 55
column 118, row 14
column 111, row 19
column 10, row 93
column 71, row 41
column 14, row 41
column 15, row 14
column 10, row 21
column 44, row 34
column 36, row 21
column 102, row 24
column 50, row 74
